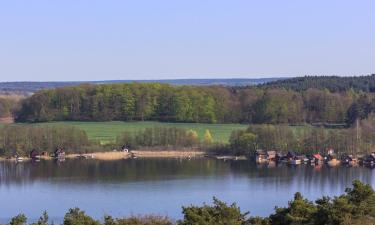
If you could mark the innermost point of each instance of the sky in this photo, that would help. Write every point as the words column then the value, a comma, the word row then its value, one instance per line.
column 44, row 40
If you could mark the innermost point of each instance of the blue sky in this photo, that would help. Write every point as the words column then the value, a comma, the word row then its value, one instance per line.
column 169, row 39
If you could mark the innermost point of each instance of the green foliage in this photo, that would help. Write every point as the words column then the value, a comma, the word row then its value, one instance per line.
column 22, row 139
column 331, row 83
column 43, row 220
column 207, row 139
column 198, row 104
column 299, row 212
column 243, row 142
column 136, row 101
column 303, row 139
column 77, row 217
column 219, row 213
column 138, row 220
column 20, row 219
column 159, row 137
column 108, row 131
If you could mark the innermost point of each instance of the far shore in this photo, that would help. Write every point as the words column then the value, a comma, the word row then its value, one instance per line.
column 117, row 155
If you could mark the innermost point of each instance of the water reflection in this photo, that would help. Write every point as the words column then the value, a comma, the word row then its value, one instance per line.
column 161, row 185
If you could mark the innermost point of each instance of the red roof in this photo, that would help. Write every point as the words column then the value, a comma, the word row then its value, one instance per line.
column 318, row 156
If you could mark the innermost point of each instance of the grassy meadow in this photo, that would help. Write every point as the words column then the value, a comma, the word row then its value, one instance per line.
column 108, row 131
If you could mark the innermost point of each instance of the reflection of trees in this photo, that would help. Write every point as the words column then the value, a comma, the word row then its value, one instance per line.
column 91, row 171
column 109, row 171
column 305, row 176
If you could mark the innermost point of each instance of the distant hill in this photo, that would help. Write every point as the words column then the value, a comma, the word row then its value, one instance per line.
column 332, row 83
column 30, row 87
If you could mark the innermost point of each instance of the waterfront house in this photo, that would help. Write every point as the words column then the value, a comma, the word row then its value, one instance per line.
column 34, row 154
column 350, row 160
column 59, row 153
column 369, row 160
column 293, row 158
column 332, row 158
column 317, row 158
column 271, row 155
column 291, row 155
column 260, row 156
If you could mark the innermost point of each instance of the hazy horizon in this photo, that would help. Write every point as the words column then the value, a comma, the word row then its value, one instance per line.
column 149, row 40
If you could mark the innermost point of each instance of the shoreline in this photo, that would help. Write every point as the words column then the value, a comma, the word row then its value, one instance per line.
column 118, row 155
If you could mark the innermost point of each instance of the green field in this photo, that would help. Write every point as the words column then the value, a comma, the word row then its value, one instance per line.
column 108, row 131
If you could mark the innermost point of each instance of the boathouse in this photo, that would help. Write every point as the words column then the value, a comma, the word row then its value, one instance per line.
column 260, row 156
column 59, row 153
column 271, row 155
column 34, row 154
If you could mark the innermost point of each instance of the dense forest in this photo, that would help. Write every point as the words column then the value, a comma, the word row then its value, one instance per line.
column 206, row 104
column 331, row 83
column 355, row 207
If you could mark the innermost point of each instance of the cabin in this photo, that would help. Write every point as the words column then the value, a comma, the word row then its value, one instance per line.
column 279, row 157
column 370, row 160
column 331, row 157
column 44, row 154
column 291, row 155
column 34, row 154
column 271, row 155
column 260, row 156
column 59, row 153
column 317, row 158
column 350, row 160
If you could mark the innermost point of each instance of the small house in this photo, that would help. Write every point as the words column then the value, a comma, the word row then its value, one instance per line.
column 59, row 153
column 317, row 158
column 350, row 160
column 34, row 154
column 370, row 159
column 260, row 156
column 291, row 155
column 271, row 155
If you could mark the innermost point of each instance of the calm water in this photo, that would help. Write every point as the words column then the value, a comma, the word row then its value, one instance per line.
column 160, row 186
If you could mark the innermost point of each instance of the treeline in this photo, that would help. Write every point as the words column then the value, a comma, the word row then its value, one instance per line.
column 22, row 139
column 355, row 207
column 209, row 104
column 331, row 83
column 305, row 139
column 165, row 137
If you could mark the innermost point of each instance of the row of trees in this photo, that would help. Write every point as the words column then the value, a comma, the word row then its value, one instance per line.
column 213, row 104
column 355, row 207
column 304, row 139
column 22, row 139
column 165, row 137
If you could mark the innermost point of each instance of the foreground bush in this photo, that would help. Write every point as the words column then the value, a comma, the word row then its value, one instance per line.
column 355, row 207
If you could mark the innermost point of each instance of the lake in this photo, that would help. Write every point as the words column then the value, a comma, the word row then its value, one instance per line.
column 160, row 186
